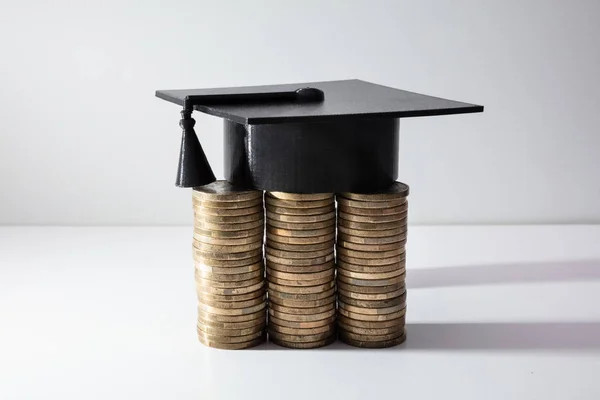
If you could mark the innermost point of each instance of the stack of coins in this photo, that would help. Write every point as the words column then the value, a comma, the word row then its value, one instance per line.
column 371, row 267
column 229, row 267
column 301, row 269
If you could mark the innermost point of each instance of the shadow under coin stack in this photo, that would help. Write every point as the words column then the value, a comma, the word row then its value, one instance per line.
column 301, row 269
column 371, row 267
column 229, row 268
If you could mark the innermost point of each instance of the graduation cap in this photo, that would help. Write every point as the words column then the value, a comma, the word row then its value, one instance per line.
column 337, row 136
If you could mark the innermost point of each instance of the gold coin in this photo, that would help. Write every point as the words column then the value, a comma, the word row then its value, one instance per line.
column 373, row 233
column 217, row 332
column 298, row 203
column 301, row 269
column 371, row 282
column 201, row 268
column 374, row 345
column 299, row 261
column 343, row 252
column 369, row 226
column 300, row 240
column 308, row 345
column 372, row 247
column 299, row 283
column 300, row 211
column 304, row 290
column 373, row 219
column 371, row 311
column 297, row 312
column 300, row 300
column 224, row 191
column 260, row 321
column 303, row 219
column 210, row 286
column 301, row 233
column 319, row 319
column 233, row 311
column 300, row 338
column 229, row 339
column 371, row 289
column 226, row 204
column 309, row 330
column 298, row 254
column 209, row 276
column 200, row 258
column 222, row 219
column 232, row 346
column 395, row 191
column 211, row 241
column 370, row 331
column 371, row 338
column 307, row 276
column 342, row 237
column 371, row 269
column 231, row 291
column 342, row 201
column 212, row 319
column 202, row 212
column 371, row 317
column 231, row 297
column 301, row 196
column 300, row 247
column 228, row 227
column 399, row 322
column 229, row 234
column 371, row 296
column 395, row 301
column 372, row 262
column 226, row 305
column 300, row 226
column 200, row 255
column 374, row 212
column 371, row 275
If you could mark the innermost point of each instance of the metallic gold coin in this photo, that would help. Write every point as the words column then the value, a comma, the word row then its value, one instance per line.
column 299, row 261
column 233, row 311
column 308, row 276
column 345, row 252
column 300, row 338
column 211, row 297
column 371, row 289
column 372, row 219
column 202, row 212
column 298, row 203
column 371, row 282
column 303, row 219
column 298, row 254
column 201, row 268
column 371, row 296
column 210, row 286
column 395, row 191
column 258, row 283
column 300, row 247
column 372, row 247
column 296, row 311
column 212, row 241
column 371, row 317
column 224, row 191
column 374, row 212
column 291, row 319
column 303, row 290
column 209, row 276
column 301, row 226
column 301, row 269
column 299, row 283
column 370, row 331
column 226, row 204
column 370, row 226
column 300, row 211
column 300, row 300
column 229, row 234
column 372, row 262
column 260, row 322
column 226, row 305
column 228, row 227
column 371, row 275
column 201, row 258
column 371, row 269
column 308, row 345
column 217, row 332
column 371, row 338
column 393, row 323
column 229, row 339
column 342, row 201
column 312, row 330
column 206, row 255
column 374, row 345
column 373, row 233
column 300, row 196
column 239, row 219
column 395, row 301
column 300, row 240
column 342, row 237
column 213, row 319
column 300, row 233
column 232, row 346
column 370, row 310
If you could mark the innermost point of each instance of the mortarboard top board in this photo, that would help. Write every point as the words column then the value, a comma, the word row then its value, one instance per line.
column 337, row 136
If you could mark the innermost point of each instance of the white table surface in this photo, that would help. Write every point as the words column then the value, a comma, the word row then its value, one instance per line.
column 109, row 313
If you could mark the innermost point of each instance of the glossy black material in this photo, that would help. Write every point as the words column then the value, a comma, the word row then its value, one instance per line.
column 357, row 155
column 193, row 169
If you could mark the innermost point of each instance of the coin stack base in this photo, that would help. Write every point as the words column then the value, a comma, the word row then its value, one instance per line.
column 371, row 267
column 300, row 269
column 229, row 267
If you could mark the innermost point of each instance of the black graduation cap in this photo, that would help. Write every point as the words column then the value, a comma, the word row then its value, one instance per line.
column 337, row 136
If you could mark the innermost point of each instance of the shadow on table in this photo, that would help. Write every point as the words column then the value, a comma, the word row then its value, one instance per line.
column 564, row 271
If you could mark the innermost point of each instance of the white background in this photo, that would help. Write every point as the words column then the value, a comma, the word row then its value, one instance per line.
column 84, row 140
